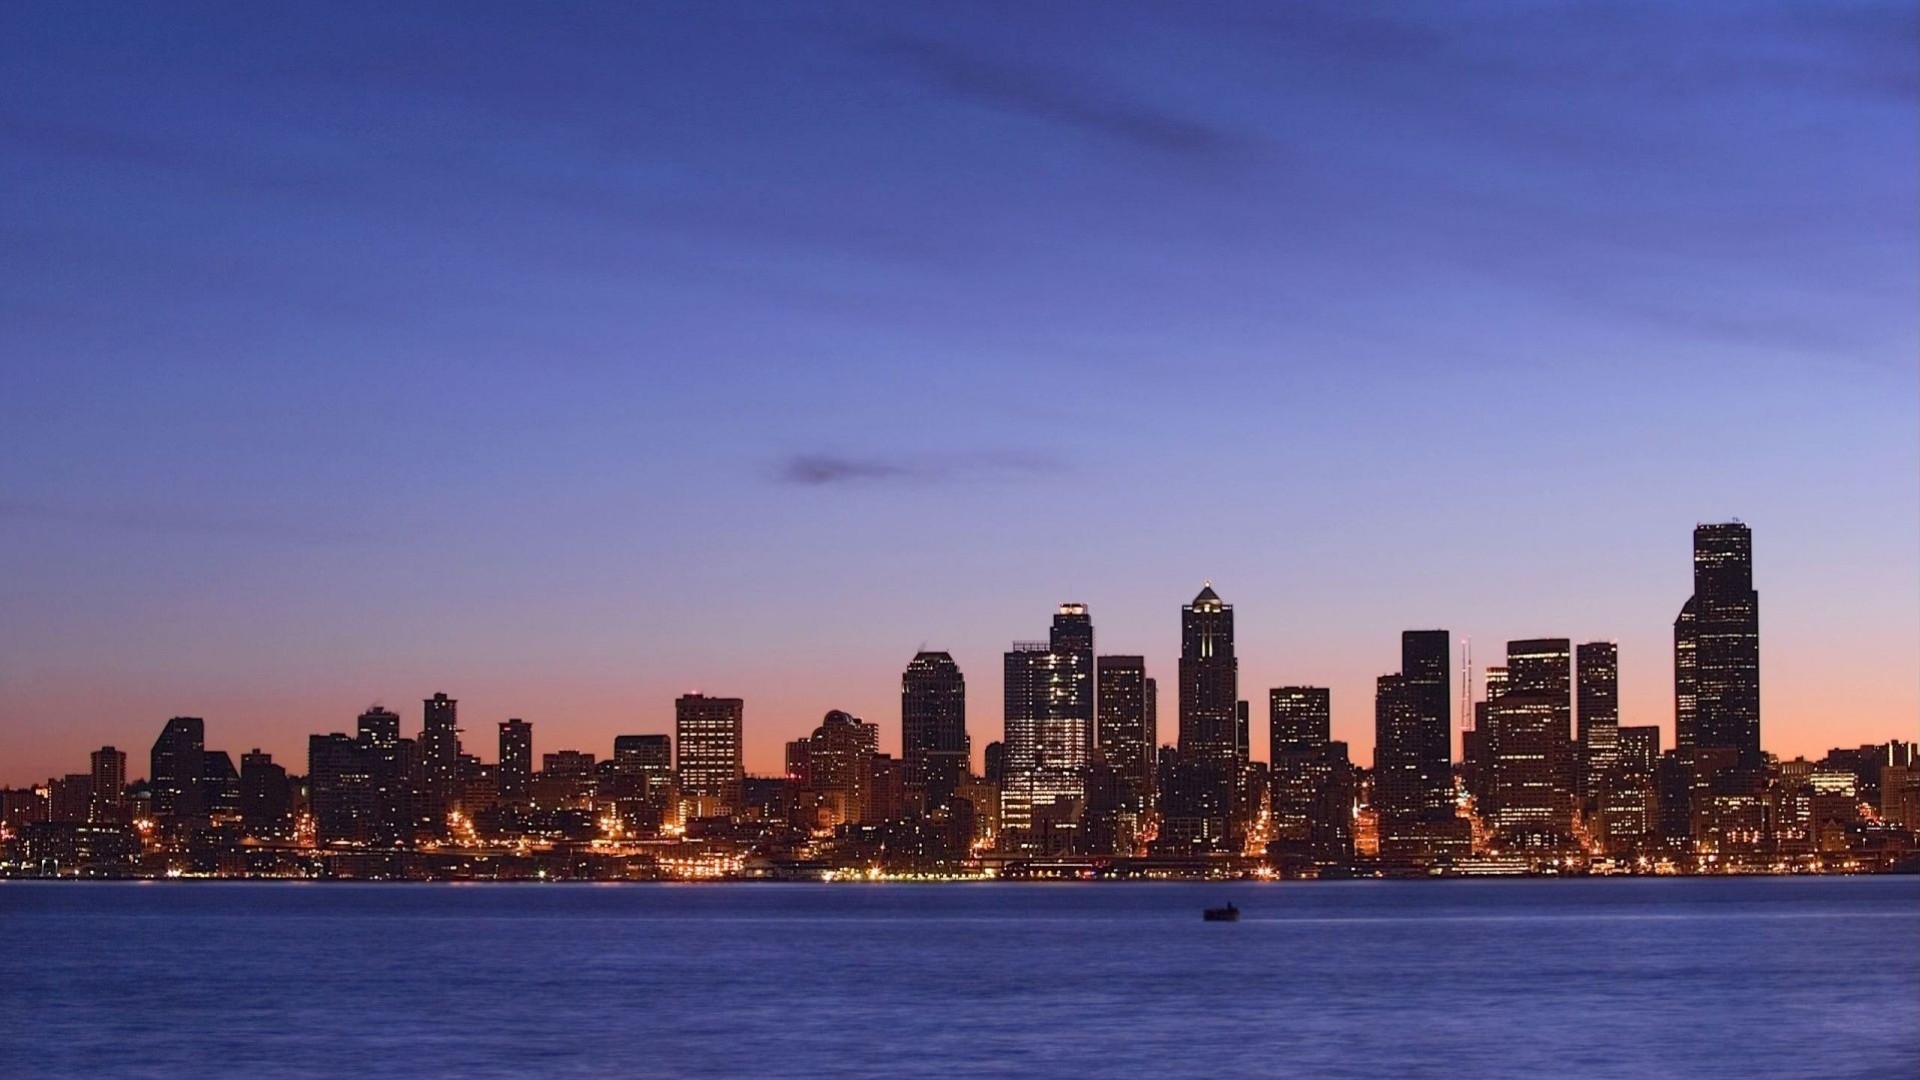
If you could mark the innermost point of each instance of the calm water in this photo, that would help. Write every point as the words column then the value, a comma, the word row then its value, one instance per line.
column 1733, row 978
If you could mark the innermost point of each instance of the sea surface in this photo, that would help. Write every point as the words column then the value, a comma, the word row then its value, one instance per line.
column 1755, row 977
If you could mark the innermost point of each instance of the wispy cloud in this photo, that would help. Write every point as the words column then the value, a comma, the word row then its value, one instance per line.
column 1054, row 97
column 824, row 469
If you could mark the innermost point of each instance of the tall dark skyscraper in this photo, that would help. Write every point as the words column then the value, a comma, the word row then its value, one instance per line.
column 440, row 759
column 1413, row 749
column 108, row 791
column 1597, row 678
column 177, row 768
column 1071, row 639
column 1200, row 781
column 1716, row 645
column 1209, row 679
column 515, row 775
column 1127, row 727
column 266, row 797
column 708, row 737
column 933, row 726
column 1310, row 777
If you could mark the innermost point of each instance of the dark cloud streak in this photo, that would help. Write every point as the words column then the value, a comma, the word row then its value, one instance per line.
column 826, row 470
column 1050, row 96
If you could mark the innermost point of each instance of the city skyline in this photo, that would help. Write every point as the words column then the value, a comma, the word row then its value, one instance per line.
column 570, row 365
column 1063, row 683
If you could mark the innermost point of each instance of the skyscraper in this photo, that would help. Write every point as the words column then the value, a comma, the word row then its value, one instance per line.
column 1529, row 801
column 266, row 797
column 1072, row 690
column 708, row 737
column 1199, row 781
column 440, row 759
column 1716, row 644
column 177, row 768
column 933, row 726
column 1544, row 666
column 378, row 726
column 835, row 769
column 1310, row 777
column 1597, row 675
column 516, row 761
column 1413, row 750
column 109, row 787
column 1126, row 730
column 1209, row 679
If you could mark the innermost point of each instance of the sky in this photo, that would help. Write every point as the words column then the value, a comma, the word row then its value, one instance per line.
column 568, row 358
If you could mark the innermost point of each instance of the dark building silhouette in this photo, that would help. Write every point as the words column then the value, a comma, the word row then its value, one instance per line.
column 108, row 787
column 397, row 804
column 1071, row 639
column 515, row 775
column 1127, row 726
column 935, row 751
column 1413, row 752
column 266, row 797
column 1716, row 644
column 1545, row 666
column 708, row 739
column 995, row 763
column 642, row 793
column 378, row 726
column 221, row 782
column 1529, row 802
column 439, row 760
column 1597, row 677
column 1199, row 783
column 1310, row 778
column 342, row 795
column 177, row 768
column 70, row 798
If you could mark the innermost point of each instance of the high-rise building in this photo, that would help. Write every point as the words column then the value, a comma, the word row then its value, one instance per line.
column 378, row 726
column 1545, row 666
column 647, row 756
column 1413, row 752
column 1049, row 721
column 109, row 786
column 342, row 790
column 933, row 726
column 1529, row 801
column 1716, row 645
column 1209, row 678
column 834, row 771
column 1299, row 717
column 708, row 737
column 177, row 768
column 1311, row 778
column 1126, row 730
column 1200, row 783
column 440, row 759
column 515, row 776
column 266, row 797
column 1597, row 675
column 70, row 798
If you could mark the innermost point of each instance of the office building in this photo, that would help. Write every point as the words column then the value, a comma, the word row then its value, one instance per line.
column 708, row 737
column 935, row 752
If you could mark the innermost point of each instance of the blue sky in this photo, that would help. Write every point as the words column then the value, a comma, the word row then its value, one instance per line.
column 568, row 357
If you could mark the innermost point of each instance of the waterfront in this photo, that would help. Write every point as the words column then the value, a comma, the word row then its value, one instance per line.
column 1697, row 977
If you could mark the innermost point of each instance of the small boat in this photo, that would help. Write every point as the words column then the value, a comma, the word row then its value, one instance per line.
column 1222, row 914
